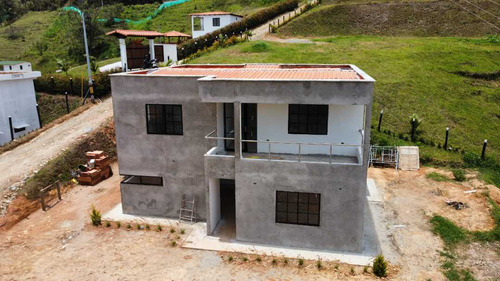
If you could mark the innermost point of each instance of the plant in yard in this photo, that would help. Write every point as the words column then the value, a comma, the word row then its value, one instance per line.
column 129, row 226
column 158, row 227
column 319, row 265
column 63, row 65
column 245, row 259
column 285, row 261
column 172, row 230
column 230, row 258
column 258, row 259
column 352, row 271
column 274, row 261
column 365, row 269
column 415, row 121
column 301, row 261
column 95, row 217
column 147, row 227
column 118, row 224
column 108, row 224
column 173, row 243
column 183, row 231
column 380, row 266
column 177, row 237
column 459, row 174
column 336, row 267
column 138, row 226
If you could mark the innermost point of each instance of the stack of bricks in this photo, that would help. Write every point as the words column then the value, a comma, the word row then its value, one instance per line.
column 100, row 171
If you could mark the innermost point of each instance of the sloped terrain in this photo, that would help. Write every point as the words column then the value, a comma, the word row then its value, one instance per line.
column 434, row 18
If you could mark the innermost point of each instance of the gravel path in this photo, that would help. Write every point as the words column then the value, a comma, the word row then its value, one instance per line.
column 24, row 160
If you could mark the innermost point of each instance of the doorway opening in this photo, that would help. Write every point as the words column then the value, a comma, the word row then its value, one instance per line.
column 226, row 229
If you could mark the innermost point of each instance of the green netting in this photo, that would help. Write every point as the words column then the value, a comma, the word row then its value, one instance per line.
column 148, row 18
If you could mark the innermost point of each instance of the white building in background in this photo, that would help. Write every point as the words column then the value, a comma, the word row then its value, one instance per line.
column 18, row 112
column 203, row 23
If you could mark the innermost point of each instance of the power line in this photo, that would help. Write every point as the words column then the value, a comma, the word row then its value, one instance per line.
column 482, row 9
column 476, row 15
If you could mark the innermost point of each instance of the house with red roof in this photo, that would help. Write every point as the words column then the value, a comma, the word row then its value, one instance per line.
column 272, row 154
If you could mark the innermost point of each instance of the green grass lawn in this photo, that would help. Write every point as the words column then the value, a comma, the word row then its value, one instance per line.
column 29, row 28
column 82, row 69
column 414, row 75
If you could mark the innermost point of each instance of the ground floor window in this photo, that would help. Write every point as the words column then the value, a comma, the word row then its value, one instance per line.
column 144, row 180
column 298, row 208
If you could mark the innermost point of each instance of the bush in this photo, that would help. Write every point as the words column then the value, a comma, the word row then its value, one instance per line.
column 61, row 84
column 261, row 17
column 380, row 266
column 95, row 217
column 459, row 174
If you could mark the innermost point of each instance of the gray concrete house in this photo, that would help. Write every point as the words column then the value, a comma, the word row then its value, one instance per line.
column 272, row 153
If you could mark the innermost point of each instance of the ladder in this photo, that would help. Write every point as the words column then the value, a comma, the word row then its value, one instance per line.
column 188, row 210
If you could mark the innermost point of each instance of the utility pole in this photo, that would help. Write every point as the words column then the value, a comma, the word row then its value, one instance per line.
column 87, row 55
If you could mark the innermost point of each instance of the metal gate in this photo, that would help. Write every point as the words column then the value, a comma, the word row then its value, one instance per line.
column 384, row 155
column 136, row 52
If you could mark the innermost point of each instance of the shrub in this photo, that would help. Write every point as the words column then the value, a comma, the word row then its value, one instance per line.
column 230, row 258
column 95, row 217
column 139, row 227
column 172, row 230
column 274, row 262
column 459, row 174
column 380, row 266
column 129, row 226
column 285, row 261
column 258, row 259
column 147, row 227
column 159, row 228
column 183, row 231
column 173, row 243
column 245, row 259
column 319, row 265
column 118, row 224
column 301, row 262
column 62, row 84
column 352, row 271
column 108, row 224
column 261, row 17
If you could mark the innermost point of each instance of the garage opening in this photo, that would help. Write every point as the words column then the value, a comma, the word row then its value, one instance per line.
column 223, row 216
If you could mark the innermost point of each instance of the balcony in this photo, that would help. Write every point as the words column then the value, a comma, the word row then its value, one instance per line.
column 290, row 151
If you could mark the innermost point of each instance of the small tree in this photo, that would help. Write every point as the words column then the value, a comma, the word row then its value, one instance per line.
column 95, row 216
column 380, row 266
column 94, row 66
column 63, row 65
column 41, row 46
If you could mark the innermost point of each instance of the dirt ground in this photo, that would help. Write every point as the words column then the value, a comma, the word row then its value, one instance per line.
column 410, row 201
column 19, row 163
column 60, row 244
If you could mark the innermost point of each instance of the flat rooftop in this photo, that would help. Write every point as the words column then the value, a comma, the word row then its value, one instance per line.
column 274, row 72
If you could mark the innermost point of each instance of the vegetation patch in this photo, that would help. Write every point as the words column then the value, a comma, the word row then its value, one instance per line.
column 258, row 47
column 437, row 177
column 53, row 107
column 411, row 18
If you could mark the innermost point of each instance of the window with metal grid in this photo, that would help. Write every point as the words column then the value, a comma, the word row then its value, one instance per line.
column 309, row 119
column 216, row 22
column 298, row 208
column 164, row 119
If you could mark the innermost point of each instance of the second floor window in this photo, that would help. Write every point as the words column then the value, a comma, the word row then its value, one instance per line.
column 216, row 21
column 308, row 119
column 164, row 119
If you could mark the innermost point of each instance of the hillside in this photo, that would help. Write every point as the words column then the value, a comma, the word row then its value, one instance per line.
column 23, row 34
column 415, row 18
column 414, row 75
column 62, row 35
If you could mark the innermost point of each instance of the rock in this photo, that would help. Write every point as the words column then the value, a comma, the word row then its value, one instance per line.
column 13, row 188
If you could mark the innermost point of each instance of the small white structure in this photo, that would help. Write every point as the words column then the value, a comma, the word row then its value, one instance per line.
column 132, row 54
column 18, row 108
column 8, row 66
column 203, row 23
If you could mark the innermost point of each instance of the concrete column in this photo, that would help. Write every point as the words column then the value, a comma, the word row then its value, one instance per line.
column 237, row 129
column 123, row 53
column 152, row 48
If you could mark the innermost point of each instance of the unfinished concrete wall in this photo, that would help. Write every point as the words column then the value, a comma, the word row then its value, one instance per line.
column 177, row 159
column 343, row 195
column 17, row 99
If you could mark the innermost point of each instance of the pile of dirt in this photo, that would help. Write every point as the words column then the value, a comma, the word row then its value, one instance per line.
column 435, row 18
